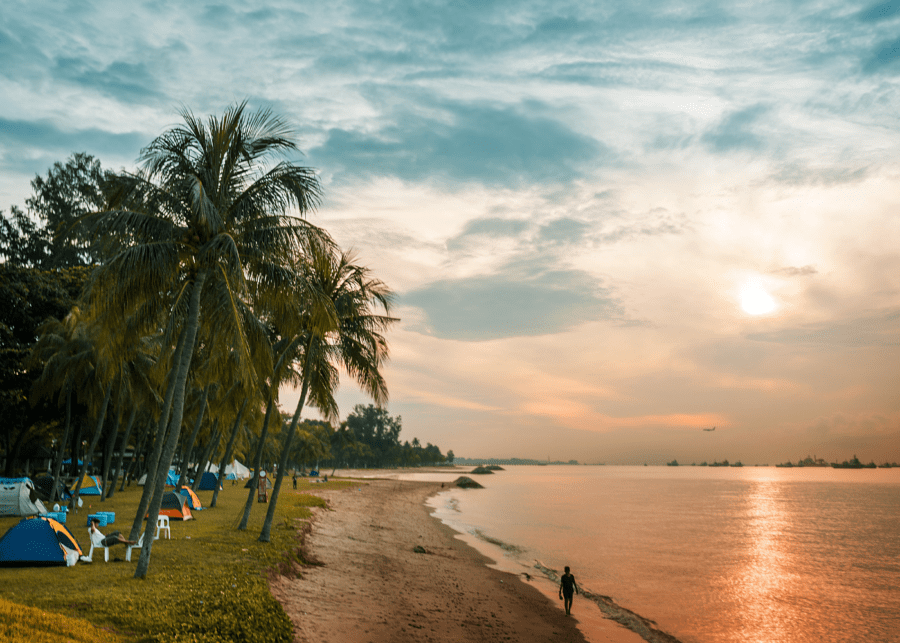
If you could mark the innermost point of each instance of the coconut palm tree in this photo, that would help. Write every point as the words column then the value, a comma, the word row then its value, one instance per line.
column 341, row 328
column 210, row 223
column 66, row 354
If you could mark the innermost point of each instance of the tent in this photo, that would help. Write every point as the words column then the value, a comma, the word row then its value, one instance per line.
column 192, row 500
column 90, row 486
column 175, row 506
column 240, row 471
column 38, row 542
column 209, row 481
column 231, row 476
column 18, row 497
column 44, row 486
column 171, row 479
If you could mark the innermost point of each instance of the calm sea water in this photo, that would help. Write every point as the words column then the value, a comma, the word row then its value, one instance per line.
column 704, row 555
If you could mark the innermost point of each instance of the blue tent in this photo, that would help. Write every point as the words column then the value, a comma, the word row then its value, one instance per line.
column 37, row 542
column 172, row 478
column 231, row 476
column 209, row 481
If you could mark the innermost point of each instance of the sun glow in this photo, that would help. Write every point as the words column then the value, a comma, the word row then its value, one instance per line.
column 756, row 301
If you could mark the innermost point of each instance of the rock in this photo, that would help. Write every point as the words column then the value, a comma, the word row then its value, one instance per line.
column 495, row 467
column 467, row 483
column 419, row 549
column 481, row 470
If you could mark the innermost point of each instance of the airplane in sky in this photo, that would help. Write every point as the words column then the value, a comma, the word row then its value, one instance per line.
column 712, row 429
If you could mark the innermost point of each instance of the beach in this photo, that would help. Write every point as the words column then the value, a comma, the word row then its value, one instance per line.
column 373, row 587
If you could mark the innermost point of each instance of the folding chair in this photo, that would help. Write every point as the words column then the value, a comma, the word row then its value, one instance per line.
column 128, row 548
column 97, row 543
column 162, row 524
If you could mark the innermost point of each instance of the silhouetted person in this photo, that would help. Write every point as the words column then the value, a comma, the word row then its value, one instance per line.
column 567, row 589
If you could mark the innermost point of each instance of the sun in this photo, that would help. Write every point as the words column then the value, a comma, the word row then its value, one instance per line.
column 756, row 301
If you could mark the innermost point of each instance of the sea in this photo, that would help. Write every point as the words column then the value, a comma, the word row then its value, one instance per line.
column 698, row 554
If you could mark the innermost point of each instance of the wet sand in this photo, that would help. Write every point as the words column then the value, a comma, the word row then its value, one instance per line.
column 373, row 587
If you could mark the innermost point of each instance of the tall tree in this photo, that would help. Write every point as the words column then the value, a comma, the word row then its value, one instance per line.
column 52, row 234
column 211, row 225
column 340, row 326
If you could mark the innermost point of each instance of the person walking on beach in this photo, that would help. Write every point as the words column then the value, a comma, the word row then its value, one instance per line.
column 567, row 589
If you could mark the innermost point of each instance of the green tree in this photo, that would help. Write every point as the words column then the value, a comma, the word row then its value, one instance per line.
column 28, row 298
column 53, row 234
column 339, row 325
column 209, row 225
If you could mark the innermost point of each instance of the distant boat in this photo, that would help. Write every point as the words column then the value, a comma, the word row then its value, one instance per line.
column 712, row 429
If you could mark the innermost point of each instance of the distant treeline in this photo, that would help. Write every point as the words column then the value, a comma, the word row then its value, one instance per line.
column 507, row 461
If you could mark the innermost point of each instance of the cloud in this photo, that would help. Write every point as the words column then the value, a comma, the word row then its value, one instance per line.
column 127, row 82
column 54, row 141
column 735, row 131
column 503, row 305
column 797, row 174
column 488, row 227
column 793, row 271
column 881, row 329
column 879, row 12
column 885, row 56
column 493, row 145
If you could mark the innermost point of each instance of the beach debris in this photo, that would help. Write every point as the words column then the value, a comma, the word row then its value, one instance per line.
column 481, row 470
column 419, row 549
column 467, row 483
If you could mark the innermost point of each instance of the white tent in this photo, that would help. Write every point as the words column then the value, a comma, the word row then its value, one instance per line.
column 18, row 498
column 240, row 471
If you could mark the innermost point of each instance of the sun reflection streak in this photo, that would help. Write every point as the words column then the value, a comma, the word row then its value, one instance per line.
column 764, row 580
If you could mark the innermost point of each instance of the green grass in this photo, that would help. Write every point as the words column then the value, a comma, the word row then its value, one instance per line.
column 208, row 583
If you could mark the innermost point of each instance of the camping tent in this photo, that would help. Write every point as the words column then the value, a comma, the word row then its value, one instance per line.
column 209, row 481
column 240, row 471
column 18, row 497
column 192, row 500
column 90, row 486
column 37, row 542
column 174, row 505
column 44, row 486
column 172, row 478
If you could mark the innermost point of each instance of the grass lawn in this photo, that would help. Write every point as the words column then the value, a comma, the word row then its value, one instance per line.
column 206, row 584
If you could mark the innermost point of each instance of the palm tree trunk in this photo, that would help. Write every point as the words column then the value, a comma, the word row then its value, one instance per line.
column 135, row 454
column 265, row 534
column 107, row 457
column 190, row 443
column 257, row 462
column 227, row 455
column 183, row 367
column 118, row 467
column 153, row 465
column 204, row 459
column 88, row 455
column 57, row 467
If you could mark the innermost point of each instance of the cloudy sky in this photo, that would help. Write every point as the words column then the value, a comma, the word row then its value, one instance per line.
column 607, row 224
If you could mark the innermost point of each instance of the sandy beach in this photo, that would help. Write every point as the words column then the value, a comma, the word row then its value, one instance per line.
column 373, row 587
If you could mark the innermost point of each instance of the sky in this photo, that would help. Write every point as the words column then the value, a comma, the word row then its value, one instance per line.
column 608, row 225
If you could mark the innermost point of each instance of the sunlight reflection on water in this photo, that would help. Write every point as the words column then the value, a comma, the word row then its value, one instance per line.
column 727, row 555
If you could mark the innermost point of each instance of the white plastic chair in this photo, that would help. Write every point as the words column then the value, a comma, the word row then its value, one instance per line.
column 162, row 524
column 128, row 548
column 97, row 543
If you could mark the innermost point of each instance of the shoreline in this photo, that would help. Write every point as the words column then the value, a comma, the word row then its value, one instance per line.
column 374, row 588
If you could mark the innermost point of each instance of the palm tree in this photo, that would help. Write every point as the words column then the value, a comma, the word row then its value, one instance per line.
column 347, row 335
column 67, row 355
column 210, row 224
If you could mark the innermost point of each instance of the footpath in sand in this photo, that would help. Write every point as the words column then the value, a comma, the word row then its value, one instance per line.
column 374, row 588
